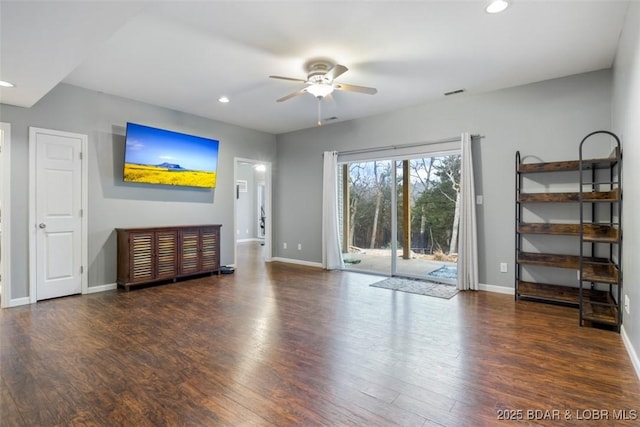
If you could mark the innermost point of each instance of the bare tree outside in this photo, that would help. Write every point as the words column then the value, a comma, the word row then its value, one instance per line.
column 434, row 203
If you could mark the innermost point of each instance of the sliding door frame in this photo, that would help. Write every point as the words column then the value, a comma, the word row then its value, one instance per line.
column 424, row 152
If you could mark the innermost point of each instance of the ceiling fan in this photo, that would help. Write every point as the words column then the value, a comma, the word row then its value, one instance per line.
column 321, row 81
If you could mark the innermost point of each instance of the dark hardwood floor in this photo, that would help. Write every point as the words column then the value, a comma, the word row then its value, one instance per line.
column 278, row 344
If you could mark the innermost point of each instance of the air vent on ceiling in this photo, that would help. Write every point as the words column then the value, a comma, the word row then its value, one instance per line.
column 454, row 92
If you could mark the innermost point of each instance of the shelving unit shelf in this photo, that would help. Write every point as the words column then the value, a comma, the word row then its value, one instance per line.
column 596, row 290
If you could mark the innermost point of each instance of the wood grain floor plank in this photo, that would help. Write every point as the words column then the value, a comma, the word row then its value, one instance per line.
column 9, row 413
column 278, row 344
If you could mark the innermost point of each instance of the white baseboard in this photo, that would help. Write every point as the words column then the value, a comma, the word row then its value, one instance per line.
column 19, row 301
column 101, row 288
column 16, row 302
column 497, row 289
column 297, row 261
column 632, row 352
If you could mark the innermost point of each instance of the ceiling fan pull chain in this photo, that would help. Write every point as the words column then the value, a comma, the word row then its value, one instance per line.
column 319, row 115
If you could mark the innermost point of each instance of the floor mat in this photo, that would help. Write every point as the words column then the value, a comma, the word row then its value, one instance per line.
column 417, row 287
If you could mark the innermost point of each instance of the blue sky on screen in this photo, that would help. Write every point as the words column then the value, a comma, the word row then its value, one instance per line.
column 151, row 146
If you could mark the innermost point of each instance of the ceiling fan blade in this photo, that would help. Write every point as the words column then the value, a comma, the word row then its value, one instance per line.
column 336, row 71
column 354, row 88
column 291, row 95
column 288, row 78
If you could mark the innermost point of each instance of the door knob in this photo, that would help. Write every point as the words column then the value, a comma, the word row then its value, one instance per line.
column 42, row 225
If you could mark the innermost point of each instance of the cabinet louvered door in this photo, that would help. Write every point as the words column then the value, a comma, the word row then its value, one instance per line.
column 141, row 261
column 210, row 253
column 166, row 259
column 189, row 247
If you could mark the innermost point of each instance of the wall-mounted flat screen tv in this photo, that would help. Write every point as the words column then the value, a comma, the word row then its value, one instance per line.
column 158, row 156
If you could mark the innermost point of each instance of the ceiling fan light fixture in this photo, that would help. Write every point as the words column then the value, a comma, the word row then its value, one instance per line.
column 320, row 90
column 4, row 83
column 497, row 6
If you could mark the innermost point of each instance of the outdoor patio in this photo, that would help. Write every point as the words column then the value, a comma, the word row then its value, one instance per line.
column 419, row 266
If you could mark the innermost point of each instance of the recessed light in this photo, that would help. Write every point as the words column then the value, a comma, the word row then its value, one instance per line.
column 6, row 84
column 223, row 99
column 497, row 6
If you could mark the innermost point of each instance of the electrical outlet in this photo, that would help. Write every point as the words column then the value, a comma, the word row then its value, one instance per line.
column 479, row 199
column 299, row 246
column 626, row 304
column 284, row 245
column 503, row 267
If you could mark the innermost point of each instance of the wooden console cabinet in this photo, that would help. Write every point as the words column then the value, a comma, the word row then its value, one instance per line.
column 153, row 254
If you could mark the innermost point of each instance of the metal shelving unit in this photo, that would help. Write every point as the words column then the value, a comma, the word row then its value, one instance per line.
column 596, row 291
column 600, row 300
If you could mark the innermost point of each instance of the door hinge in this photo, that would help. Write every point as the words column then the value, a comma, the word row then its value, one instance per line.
column 80, row 155
column 81, row 213
column 81, row 269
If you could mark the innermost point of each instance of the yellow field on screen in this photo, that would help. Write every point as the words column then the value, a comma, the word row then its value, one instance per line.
column 157, row 175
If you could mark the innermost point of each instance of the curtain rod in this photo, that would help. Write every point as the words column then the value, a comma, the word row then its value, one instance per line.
column 411, row 145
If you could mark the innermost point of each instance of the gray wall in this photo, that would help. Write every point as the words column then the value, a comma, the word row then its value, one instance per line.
column 546, row 120
column 113, row 203
column 626, row 123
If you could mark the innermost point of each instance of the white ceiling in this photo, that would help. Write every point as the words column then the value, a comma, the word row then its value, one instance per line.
column 185, row 54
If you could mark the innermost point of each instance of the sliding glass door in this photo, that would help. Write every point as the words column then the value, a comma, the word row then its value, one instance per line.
column 366, row 222
column 427, row 221
column 399, row 216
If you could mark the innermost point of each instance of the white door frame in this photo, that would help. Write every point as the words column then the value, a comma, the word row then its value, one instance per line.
column 32, row 207
column 267, row 208
column 5, row 146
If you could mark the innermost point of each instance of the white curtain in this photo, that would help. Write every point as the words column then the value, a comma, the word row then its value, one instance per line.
column 468, row 240
column 331, row 253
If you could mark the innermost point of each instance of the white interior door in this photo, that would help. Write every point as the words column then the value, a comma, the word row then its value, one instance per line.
column 58, row 212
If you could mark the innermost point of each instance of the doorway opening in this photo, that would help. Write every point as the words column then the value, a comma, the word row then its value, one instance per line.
column 252, row 206
column 400, row 217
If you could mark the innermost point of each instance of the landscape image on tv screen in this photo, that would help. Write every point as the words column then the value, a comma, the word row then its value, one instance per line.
column 158, row 156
